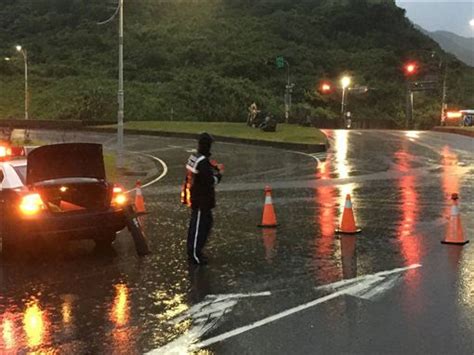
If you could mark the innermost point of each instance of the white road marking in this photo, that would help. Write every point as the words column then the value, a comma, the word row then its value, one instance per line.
column 315, row 156
column 163, row 174
column 154, row 181
column 205, row 316
column 354, row 288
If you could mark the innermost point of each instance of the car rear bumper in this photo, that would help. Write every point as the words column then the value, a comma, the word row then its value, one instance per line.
column 72, row 225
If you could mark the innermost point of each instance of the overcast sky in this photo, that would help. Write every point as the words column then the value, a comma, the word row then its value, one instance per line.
column 453, row 16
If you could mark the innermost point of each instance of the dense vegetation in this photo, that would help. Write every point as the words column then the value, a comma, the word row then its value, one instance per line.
column 209, row 59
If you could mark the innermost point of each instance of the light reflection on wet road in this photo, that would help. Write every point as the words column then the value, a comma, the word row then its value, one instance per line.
column 86, row 301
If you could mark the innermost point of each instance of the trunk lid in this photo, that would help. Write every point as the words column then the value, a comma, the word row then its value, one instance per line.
column 62, row 161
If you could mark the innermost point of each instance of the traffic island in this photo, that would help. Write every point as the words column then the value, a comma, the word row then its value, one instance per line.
column 287, row 136
column 465, row 131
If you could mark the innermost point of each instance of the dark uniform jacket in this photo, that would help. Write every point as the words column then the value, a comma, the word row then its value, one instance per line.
column 204, row 178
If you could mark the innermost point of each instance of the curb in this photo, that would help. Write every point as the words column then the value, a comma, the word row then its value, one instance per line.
column 313, row 148
column 79, row 126
column 454, row 130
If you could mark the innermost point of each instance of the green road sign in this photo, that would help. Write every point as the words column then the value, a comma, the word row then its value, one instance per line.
column 280, row 62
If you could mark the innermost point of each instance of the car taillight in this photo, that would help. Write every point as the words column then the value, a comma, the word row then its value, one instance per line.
column 119, row 197
column 31, row 204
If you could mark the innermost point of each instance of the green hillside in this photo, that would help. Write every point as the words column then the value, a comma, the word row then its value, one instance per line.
column 209, row 59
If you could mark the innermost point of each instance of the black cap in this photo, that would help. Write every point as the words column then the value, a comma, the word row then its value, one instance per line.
column 205, row 138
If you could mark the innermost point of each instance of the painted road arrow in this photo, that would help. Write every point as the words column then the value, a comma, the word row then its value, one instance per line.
column 207, row 314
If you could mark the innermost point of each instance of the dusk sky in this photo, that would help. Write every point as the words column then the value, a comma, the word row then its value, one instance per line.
column 453, row 16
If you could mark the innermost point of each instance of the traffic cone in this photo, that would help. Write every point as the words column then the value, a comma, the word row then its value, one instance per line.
column 455, row 233
column 139, row 200
column 269, row 217
column 348, row 225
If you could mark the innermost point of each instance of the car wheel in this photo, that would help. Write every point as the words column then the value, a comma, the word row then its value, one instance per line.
column 105, row 239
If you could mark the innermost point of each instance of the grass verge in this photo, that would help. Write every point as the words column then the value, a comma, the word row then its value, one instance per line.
column 286, row 133
column 110, row 162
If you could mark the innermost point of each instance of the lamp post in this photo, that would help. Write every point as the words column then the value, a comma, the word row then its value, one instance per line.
column 345, row 83
column 288, row 91
column 25, row 58
column 120, row 112
column 410, row 70
column 120, row 91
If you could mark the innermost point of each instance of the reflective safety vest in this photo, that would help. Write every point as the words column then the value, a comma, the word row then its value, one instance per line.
column 191, row 171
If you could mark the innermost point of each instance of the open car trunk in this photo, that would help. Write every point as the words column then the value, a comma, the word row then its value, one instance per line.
column 74, row 195
column 69, row 177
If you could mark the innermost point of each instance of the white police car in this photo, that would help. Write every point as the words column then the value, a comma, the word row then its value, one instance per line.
column 57, row 192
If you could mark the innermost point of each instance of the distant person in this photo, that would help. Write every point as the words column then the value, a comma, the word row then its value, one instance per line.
column 201, row 179
column 252, row 115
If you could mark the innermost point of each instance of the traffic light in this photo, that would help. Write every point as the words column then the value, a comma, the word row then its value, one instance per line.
column 411, row 68
column 325, row 88
column 280, row 62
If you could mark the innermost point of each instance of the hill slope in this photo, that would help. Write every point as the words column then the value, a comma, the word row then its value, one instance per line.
column 461, row 47
column 207, row 60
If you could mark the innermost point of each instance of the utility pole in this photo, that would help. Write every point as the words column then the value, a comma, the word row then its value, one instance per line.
column 25, row 58
column 120, row 112
column 280, row 63
column 411, row 69
column 288, row 90
column 443, row 95
column 120, row 91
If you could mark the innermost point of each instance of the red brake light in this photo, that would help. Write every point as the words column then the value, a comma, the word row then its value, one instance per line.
column 31, row 204
column 5, row 151
column 119, row 197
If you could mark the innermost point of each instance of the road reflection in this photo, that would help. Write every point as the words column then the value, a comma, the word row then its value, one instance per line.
column 348, row 256
column 343, row 168
column 324, row 200
column 327, row 198
column 35, row 324
column 450, row 177
column 8, row 332
column 120, row 306
column 460, row 264
column 409, row 208
column 406, row 230
column 269, row 237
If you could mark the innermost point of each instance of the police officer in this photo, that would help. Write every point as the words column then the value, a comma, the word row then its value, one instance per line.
column 204, row 176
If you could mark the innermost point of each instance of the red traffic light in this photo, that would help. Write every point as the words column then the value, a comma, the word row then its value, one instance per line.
column 325, row 88
column 411, row 68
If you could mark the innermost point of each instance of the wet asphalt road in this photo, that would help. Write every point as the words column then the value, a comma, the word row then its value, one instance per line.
column 84, row 301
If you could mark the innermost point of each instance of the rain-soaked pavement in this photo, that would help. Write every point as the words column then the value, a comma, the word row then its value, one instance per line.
column 262, row 292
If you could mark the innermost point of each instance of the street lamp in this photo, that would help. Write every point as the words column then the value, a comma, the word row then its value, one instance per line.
column 345, row 83
column 23, row 51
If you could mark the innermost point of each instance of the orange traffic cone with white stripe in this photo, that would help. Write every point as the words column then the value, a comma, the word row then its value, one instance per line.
column 269, row 217
column 348, row 225
column 139, row 200
column 455, row 233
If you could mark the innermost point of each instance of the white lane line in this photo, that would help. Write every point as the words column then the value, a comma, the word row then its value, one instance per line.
column 359, row 287
column 154, row 181
column 312, row 156
column 163, row 174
